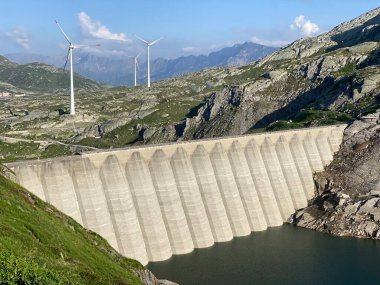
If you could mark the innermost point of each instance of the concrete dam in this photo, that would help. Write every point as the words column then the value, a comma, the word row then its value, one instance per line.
column 154, row 201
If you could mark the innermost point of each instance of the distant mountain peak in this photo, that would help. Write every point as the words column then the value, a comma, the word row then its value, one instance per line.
column 120, row 71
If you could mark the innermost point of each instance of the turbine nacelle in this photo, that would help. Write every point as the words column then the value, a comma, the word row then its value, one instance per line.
column 135, row 58
column 148, row 43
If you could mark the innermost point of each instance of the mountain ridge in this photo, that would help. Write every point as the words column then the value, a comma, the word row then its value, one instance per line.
column 120, row 71
column 39, row 77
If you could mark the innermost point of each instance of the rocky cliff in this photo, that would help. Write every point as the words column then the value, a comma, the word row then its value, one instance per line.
column 348, row 191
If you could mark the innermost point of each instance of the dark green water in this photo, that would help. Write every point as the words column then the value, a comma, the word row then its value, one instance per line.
column 283, row 255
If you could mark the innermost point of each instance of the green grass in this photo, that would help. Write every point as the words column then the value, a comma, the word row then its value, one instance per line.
column 249, row 74
column 16, row 151
column 27, row 150
column 283, row 125
column 55, row 150
column 321, row 117
column 363, row 106
column 307, row 118
column 347, row 70
column 40, row 245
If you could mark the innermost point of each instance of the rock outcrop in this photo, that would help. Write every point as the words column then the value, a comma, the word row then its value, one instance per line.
column 348, row 200
column 148, row 278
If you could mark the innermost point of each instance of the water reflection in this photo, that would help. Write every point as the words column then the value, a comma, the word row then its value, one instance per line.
column 283, row 255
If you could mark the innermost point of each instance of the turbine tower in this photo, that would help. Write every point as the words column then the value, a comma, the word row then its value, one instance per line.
column 135, row 59
column 148, row 45
column 70, row 56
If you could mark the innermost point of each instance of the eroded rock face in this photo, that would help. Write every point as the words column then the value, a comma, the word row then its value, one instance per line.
column 339, row 214
column 148, row 278
column 217, row 115
column 348, row 203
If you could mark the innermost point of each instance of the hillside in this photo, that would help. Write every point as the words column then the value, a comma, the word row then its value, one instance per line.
column 40, row 245
column 37, row 77
column 120, row 71
column 319, row 73
column 329, row 79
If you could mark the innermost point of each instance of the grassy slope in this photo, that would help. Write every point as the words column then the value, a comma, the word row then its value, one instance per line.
column 41, row 77
column 28, row 150
column 40, row 243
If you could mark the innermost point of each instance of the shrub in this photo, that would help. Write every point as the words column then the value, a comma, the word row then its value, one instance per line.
column 14, row 270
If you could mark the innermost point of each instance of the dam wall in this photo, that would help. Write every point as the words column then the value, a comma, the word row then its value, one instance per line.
column 154, row 201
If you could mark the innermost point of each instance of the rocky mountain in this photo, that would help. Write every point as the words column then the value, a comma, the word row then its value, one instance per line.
column 39, row 77
column 120, row 71
column 336, row 72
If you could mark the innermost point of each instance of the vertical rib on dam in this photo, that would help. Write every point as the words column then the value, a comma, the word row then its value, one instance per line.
column 152, row 202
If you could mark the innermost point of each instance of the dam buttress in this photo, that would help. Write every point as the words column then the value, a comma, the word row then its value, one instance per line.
column 154, row 201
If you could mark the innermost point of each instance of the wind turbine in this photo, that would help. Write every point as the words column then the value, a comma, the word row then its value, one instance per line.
column 148, row 45
column 70, row 56
column 135, row 59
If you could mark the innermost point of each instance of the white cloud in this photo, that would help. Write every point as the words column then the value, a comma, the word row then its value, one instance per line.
column 191, row 49
column 221, row 45
column 306, row 27
column 97, row 30
column 20, row 36
column 271, row 43
column 118, row 52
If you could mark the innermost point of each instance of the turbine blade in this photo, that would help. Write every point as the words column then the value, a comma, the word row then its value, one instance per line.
column 144, row 41
column 59, row 26
column 84, row 46
column 67, row 59
column 137, row 56
column 154, row 42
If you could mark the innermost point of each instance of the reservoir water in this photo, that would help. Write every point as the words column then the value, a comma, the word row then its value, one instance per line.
column 282, row 255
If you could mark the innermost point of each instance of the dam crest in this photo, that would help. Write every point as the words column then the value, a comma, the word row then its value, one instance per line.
column 154, row 201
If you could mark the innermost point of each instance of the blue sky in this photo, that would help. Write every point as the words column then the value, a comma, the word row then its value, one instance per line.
column 189, row 27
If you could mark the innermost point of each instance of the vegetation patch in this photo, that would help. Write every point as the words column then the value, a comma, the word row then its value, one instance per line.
column 313, row 117
column 28, row 150
column 248, row 74
column 348, row 70
column 364, row 106
column 307, row 118
column 16, row 151
column 55, row 150
column 40, row 245
column 283, row 125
